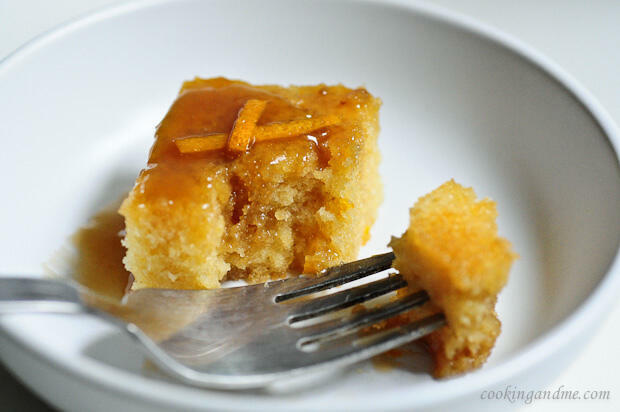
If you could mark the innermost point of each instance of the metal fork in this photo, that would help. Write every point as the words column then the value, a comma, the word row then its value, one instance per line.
column 249, row 336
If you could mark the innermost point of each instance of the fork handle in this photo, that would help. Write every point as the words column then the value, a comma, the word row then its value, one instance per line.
column 35, row 295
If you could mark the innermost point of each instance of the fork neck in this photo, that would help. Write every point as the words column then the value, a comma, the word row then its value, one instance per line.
column 35, row 295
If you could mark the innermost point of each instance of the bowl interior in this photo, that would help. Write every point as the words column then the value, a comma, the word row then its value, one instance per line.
column 79, row 110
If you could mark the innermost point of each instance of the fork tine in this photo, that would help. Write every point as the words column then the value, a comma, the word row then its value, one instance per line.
column 345, row 298
column 339, row 275
column 351, row 348
column 338, row 327
column 400, row 335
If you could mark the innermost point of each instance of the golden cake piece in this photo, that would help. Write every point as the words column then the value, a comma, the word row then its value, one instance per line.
column 452, row 250
column 253, row 182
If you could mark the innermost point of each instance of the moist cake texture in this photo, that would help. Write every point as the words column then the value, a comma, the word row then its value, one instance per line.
column 452, row 250
column 200, row 213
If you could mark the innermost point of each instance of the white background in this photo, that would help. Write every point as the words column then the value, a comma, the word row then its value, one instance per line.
column 581, row 36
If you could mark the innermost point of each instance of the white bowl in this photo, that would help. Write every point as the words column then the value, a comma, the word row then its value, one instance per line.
column 79, row 106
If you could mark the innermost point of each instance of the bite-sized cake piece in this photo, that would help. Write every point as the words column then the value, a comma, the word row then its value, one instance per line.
column 253, row 182
column 452, row 250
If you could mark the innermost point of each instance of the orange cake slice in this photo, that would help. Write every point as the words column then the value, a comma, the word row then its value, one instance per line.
column 253, row 182
column 452, row 250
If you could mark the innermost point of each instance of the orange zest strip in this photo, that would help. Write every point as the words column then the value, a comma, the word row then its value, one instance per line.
column 242, row 133
column 294, row 128
column 197, row 144
column 245, row 131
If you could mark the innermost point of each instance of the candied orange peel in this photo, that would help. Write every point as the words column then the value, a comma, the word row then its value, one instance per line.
column 202, row 143
column 295, row 127
column 242, row 133
column 246, row 132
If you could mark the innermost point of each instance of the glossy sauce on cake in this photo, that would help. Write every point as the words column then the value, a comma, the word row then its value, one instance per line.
column 204, row 111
